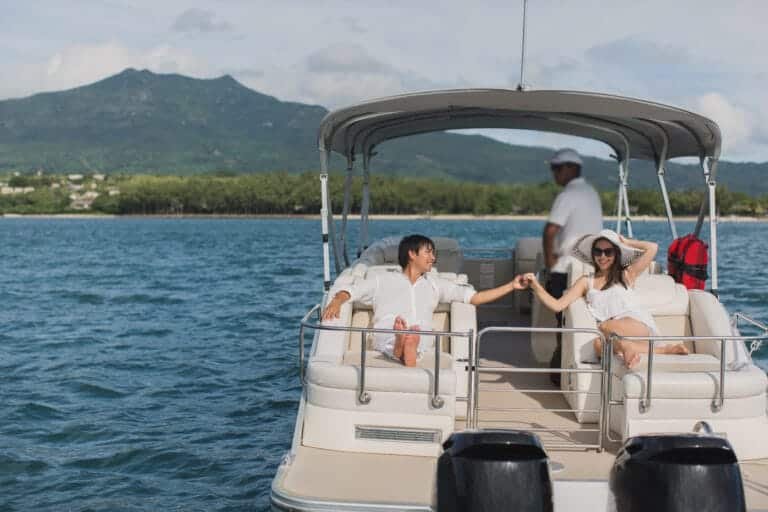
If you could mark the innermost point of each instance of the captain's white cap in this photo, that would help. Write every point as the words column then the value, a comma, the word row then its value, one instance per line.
column 565, row 156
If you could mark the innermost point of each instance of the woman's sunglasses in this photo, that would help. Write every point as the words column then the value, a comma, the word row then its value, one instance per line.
column 608, row 251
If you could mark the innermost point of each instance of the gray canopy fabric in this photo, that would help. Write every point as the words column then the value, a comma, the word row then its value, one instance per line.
column 632, row 128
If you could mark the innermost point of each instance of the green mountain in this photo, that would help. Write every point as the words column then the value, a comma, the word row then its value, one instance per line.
column 142, row 122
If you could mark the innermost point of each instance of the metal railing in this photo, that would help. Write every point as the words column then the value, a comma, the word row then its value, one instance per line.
column 477, row 369
column 755, row 345
column 363, row 396
column 473, row 383
column 646, row 401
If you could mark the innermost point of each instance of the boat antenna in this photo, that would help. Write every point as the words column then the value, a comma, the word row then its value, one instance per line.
column 521, row 84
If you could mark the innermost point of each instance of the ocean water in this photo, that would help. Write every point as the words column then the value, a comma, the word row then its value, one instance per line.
column 150, row 364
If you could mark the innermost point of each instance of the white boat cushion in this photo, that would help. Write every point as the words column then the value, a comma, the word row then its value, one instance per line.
column 395, row 378
column 709, row 318
column 376, row 359
column 748, row 382
column 384, row 252
column 661, row 295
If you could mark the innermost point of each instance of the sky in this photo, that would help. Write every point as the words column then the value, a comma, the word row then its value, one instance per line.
column 702, row 55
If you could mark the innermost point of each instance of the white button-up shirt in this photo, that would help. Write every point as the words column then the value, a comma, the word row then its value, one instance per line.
column 577, row 210
column 392, row 294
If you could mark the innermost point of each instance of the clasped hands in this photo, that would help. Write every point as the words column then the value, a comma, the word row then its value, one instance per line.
column 524, row 281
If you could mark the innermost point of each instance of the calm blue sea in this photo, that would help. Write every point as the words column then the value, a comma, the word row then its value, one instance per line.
column 150, row 364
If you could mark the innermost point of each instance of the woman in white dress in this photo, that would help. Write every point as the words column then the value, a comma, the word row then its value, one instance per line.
column 609, row 292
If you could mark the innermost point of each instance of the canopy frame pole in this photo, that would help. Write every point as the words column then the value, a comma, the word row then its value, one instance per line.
column 363, row 242
column 625, row 197
column 700, row 218
column 619, row 201
column 709, row 166
column 345, row 211
column 660, row 172
column 324, row 218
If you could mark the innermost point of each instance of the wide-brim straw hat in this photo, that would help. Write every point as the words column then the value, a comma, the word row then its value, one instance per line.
column 582, row 248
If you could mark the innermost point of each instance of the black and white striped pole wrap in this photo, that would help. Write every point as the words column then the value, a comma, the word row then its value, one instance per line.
column 324, row 216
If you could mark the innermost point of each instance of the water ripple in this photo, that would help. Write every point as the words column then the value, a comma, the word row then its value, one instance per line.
column 150, row 364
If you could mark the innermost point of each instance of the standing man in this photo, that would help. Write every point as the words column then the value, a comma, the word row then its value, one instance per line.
column 576, row 212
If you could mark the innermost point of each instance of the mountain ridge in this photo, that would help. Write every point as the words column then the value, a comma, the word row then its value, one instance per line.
column 137, row 121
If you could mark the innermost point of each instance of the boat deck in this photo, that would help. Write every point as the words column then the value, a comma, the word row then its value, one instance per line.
column 408, row 483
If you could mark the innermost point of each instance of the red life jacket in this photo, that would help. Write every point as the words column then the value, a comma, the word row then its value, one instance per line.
column 687, row 261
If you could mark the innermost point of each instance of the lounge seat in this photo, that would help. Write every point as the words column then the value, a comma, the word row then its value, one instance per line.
column 683, row 387
column 528, row 257
column 400, row 398
column 384, row 252
column 543, row 343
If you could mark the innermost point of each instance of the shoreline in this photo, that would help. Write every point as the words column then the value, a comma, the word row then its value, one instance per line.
column 440, row 217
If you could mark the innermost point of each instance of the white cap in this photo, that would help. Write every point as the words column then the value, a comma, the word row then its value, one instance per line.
column 565, row 156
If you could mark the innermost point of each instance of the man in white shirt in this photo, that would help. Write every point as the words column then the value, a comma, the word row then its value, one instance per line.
column 407, row 299
column 576, row 212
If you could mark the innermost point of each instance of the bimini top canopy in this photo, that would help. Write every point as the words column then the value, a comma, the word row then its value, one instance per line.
column 633, row 128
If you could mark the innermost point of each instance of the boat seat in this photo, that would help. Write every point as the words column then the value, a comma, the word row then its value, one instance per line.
column 401, row 398
column 375, row 359
column 528, row 257
column 683, row 386
column 543, row 343
column 384, row 252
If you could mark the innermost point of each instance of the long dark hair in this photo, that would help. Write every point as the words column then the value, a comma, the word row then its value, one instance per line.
column 615, row 272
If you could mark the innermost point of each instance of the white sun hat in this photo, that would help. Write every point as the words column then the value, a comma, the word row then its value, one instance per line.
column 582, row 248
column 565, row 156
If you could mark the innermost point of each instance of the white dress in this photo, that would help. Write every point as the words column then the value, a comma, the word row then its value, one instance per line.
column 617, row 302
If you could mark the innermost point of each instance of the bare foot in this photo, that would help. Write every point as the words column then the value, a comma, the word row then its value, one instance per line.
column 631, row 355
column 399, row 338
column 678, row 349
column 411, row 347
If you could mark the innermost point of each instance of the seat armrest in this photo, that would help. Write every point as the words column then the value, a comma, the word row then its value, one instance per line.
column 463, row 318
column 709, row 318
column 577, row 346
column 331, row 345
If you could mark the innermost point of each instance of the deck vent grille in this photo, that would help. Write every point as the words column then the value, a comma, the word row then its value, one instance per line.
column 404, row 435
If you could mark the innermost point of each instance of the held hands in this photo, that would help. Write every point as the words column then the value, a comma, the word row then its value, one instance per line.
column 519, row 282
column 530, row 280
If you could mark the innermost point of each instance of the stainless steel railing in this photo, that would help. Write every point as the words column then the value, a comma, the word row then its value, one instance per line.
column 755, row 345
column 645, row 403
column 363, row 396
column 477, row 369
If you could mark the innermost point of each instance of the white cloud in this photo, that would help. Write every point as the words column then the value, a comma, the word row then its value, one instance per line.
column 335, row 52
column 735, row 124
column 333, row 76
column 199, row 20
column 82, row 64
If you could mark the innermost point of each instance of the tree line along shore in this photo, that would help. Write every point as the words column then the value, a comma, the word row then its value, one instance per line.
column 280, row 193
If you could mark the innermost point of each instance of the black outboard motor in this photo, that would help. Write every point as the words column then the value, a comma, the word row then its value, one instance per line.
column 666, row 473
column 492, row 470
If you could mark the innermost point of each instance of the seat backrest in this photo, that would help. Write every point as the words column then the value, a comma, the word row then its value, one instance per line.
column 527, row 250
column 668, row 303
column 384, row 252
column 578, row 268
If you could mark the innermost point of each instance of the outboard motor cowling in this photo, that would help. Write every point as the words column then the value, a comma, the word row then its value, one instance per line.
column 665, row 473
column 491, row 470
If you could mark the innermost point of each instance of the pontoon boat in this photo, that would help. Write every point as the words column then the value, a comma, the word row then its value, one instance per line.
column 372, row 435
